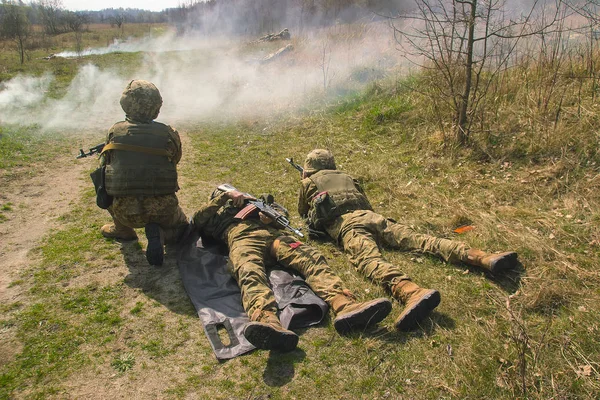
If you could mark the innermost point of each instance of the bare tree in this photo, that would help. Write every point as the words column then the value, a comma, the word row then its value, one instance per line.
column 590, row 10
column 325, row 64
column 75, row 22
column 51, row 14
column 119, row 21
column 15, row 25
column 458, row 40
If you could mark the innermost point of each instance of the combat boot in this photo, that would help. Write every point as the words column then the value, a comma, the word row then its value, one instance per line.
column 490, row 262
column 265, row 332
column 418, row 303
column 352, row 315
column 118, row 231
column 156, row 249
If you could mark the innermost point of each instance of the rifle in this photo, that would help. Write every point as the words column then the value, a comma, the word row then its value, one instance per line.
column 94, row 150
column 265, row 208
column 293, row 164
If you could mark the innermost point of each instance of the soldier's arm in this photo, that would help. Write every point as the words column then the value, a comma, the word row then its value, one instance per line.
column 176, row 148
column 209, row 210
column 109, row 135
column 104, row 157
column 307, row 192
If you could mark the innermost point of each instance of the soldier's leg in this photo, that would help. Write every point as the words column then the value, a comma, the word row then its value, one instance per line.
column 168, row 229
column 308, row 261
column 361, row 246
column 118, row 229
column 162, row 219
column 403, row 237
column 167, row 214
column 362, row 250
column 247, row 253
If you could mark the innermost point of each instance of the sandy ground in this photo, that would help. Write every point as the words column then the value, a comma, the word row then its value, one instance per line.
column 37, row 202
column 38, row 196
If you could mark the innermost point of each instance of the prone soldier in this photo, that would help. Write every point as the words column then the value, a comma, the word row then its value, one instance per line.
column 256, row 242
column 333, row 202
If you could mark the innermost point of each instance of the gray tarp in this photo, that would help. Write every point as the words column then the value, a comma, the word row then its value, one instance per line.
column 217, row 299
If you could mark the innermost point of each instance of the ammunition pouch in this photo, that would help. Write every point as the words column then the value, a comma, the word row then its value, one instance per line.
column 103, row 199
column 323, row 211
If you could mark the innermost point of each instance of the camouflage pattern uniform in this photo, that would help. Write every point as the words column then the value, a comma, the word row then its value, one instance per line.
column 144, row 185
column 138, row 211
column 358, row 229
column 249, row 242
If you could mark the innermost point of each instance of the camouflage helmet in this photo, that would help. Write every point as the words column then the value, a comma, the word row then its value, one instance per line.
column 317, row 160
column 141, row 100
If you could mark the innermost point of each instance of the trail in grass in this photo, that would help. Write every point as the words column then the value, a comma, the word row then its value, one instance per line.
column 37, row 199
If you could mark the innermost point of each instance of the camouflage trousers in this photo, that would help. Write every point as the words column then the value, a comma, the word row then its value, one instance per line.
column 250, row 252
column 361, row 232
column 137, row 211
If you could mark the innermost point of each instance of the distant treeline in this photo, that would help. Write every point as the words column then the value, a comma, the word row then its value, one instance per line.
column 259, row 16
column 212, row 16
column 55, row 19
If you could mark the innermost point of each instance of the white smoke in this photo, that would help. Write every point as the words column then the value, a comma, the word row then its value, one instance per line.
column 23, row 92
column 166, row 42
column 203, row 78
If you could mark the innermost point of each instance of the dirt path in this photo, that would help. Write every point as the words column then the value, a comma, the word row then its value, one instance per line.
column 37, row 198
column 36, row 204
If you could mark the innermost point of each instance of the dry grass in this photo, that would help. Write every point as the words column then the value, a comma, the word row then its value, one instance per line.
column 100, row 323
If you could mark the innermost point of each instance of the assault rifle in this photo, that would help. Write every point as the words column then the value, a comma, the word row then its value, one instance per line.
column 263, row 207
column 293, row 164
column 94, row 150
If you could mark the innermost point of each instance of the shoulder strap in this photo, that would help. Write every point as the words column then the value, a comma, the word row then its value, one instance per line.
column 139, row 149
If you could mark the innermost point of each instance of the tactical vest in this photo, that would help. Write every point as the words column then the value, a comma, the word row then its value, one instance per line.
column 133, row 173
column 337, row 195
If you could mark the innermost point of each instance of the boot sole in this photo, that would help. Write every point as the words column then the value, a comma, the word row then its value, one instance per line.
column 507, row 261
column 364, row 317
column 409, row 319
column 265, row 337
column 155, row 251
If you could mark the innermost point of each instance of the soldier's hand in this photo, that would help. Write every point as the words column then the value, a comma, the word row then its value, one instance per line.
column 238, row 198
column 265, row 219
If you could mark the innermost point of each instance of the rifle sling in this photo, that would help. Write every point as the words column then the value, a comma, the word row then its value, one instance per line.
column 139, row 149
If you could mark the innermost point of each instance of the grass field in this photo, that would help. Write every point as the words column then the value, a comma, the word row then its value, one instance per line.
column 86, row 317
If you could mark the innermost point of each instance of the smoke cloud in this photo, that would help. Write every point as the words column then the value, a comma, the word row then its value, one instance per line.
column 201, row 78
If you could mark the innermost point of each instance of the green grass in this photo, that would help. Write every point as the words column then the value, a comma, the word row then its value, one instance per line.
column 65, row 68
column 22, row 149
column 124, row 362
column 92, row 309
column 408, row 179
